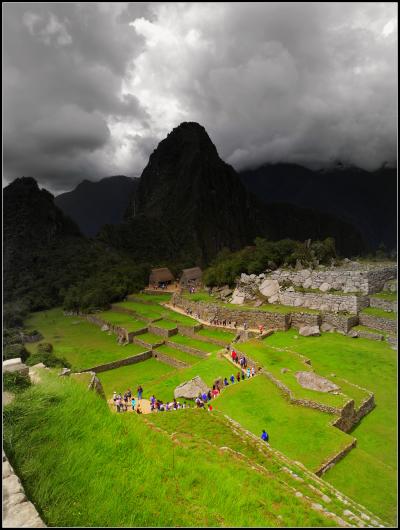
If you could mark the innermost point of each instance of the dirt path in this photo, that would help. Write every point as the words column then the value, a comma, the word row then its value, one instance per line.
column 144, row 405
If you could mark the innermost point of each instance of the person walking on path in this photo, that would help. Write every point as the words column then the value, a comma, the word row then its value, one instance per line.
column 264, row 436
column 248, row 373
column 238, row 377
column 242, row 376
column 253, row 372
column 133, row 403
column 139, row 392
column 232, row 378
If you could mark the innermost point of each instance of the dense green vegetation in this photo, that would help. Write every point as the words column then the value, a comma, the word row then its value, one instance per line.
column 15, row 382
column 72, row 479
column 227, row 265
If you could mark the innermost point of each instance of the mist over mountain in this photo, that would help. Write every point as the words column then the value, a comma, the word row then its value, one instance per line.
column 93, row 204
column 367, row 200
column 194, row 204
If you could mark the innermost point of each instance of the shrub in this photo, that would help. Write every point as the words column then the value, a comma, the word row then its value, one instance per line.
column 44, row 347
column 15, row 382
column 49, row 359
column 11, row 351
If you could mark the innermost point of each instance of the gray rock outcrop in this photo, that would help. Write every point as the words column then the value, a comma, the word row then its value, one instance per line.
column 310, row 331
column 191, row 389
column 313, row 381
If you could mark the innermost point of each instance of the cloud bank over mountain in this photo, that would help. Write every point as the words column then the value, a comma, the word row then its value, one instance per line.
column 90, row 89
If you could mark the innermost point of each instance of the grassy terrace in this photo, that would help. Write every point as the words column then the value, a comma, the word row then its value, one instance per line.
column 272, row 308
column 150, row 338
column 177, row 354
column 274, row 360
column 193, row 343
column 121, row 319
column 165, row 324
column 370, row 330
column 303, row 434
column 145, row 310
column 76, row 339
column 217, row 334
column 154, row 298
column 369, row 472
column 69, row 478
column 389, row 296
column 133, row 375
column 381, row 313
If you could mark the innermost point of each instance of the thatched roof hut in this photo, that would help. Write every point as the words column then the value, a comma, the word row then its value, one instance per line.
column 192, row 275
column 162, row 275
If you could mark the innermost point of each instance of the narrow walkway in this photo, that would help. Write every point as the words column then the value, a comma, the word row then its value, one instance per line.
column 144, row 406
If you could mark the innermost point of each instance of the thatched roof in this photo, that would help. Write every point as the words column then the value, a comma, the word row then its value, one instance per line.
column 161, row 275
column 195, row 273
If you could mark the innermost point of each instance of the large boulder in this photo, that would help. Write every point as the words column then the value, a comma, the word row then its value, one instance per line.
column 15, row 365
column 315, row 382
column 269, row 288
column 324, row 287
column 310, row 331
column 238, row 297
column 191, row 389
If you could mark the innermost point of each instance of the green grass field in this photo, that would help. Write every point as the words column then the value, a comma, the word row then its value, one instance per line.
column 369, row 472
column 121, row 319
column 154, row 298
column 303, row 434
column 218, row 334
column 150, row 338
column 83, row 344
column 177, row 354
column 145, row 310
column 386, row 295
column 133, row 375
column 381, row 313
column 113, row 470
column 275, row 360
column 165, row 324
column 206, row 347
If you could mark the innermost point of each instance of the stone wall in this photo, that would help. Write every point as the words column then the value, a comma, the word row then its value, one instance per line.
column 117, row 330
column 351, row 416
column 141, row 342
column 299, row 320
column 121, row 362
column 188, row 332
column 18, row 511
column 254, row 318
column 369, row 335
column 182, row 328
column 133, row 313
column 186, row 349
column 359, row 278
column 169, row 360
column 163, row 332
column 342, row 323
column 334, row 459
column 324, row 302
column 386, row 305
column 384, row 324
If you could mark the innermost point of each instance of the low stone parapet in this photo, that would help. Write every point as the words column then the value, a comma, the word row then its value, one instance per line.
column 253, row 317
column 381, row 323
column 162, row 332
column 187, row 349
column 324, row 302
column 369, row 335
column 176, row 363
column 380, row 303
column 335, row 458
column 120, row 362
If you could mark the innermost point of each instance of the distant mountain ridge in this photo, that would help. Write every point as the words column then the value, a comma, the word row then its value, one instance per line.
column 94, row 204
column 368, row 200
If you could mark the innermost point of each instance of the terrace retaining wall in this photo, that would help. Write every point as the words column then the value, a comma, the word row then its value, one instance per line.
column 298, row 320
column 121, row 362
column 186, row 349
column 369, row 335
column 188, row 332
column 334, row 459
column 141, row 342
column 117, row 330
column 386, row 305
column 134, row 314
column 342, row 323
column 169, row 360
column 324, row 302
column 207, row 311
column 163, row 332
column 385, row 324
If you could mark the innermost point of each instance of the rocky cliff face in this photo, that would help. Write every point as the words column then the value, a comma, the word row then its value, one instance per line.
column 193, row 204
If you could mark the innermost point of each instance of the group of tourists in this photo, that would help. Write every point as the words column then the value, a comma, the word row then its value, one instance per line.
column 122, row 402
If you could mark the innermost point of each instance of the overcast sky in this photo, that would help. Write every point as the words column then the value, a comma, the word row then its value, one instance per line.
column 90, row 89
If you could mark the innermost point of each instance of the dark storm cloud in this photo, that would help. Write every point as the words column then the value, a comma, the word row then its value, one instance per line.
column 90, row 89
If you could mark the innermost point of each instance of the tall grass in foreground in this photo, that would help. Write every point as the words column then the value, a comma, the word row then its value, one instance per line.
column 84, row 466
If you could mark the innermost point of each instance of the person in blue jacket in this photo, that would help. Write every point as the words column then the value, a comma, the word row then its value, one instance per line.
column 264, row 436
